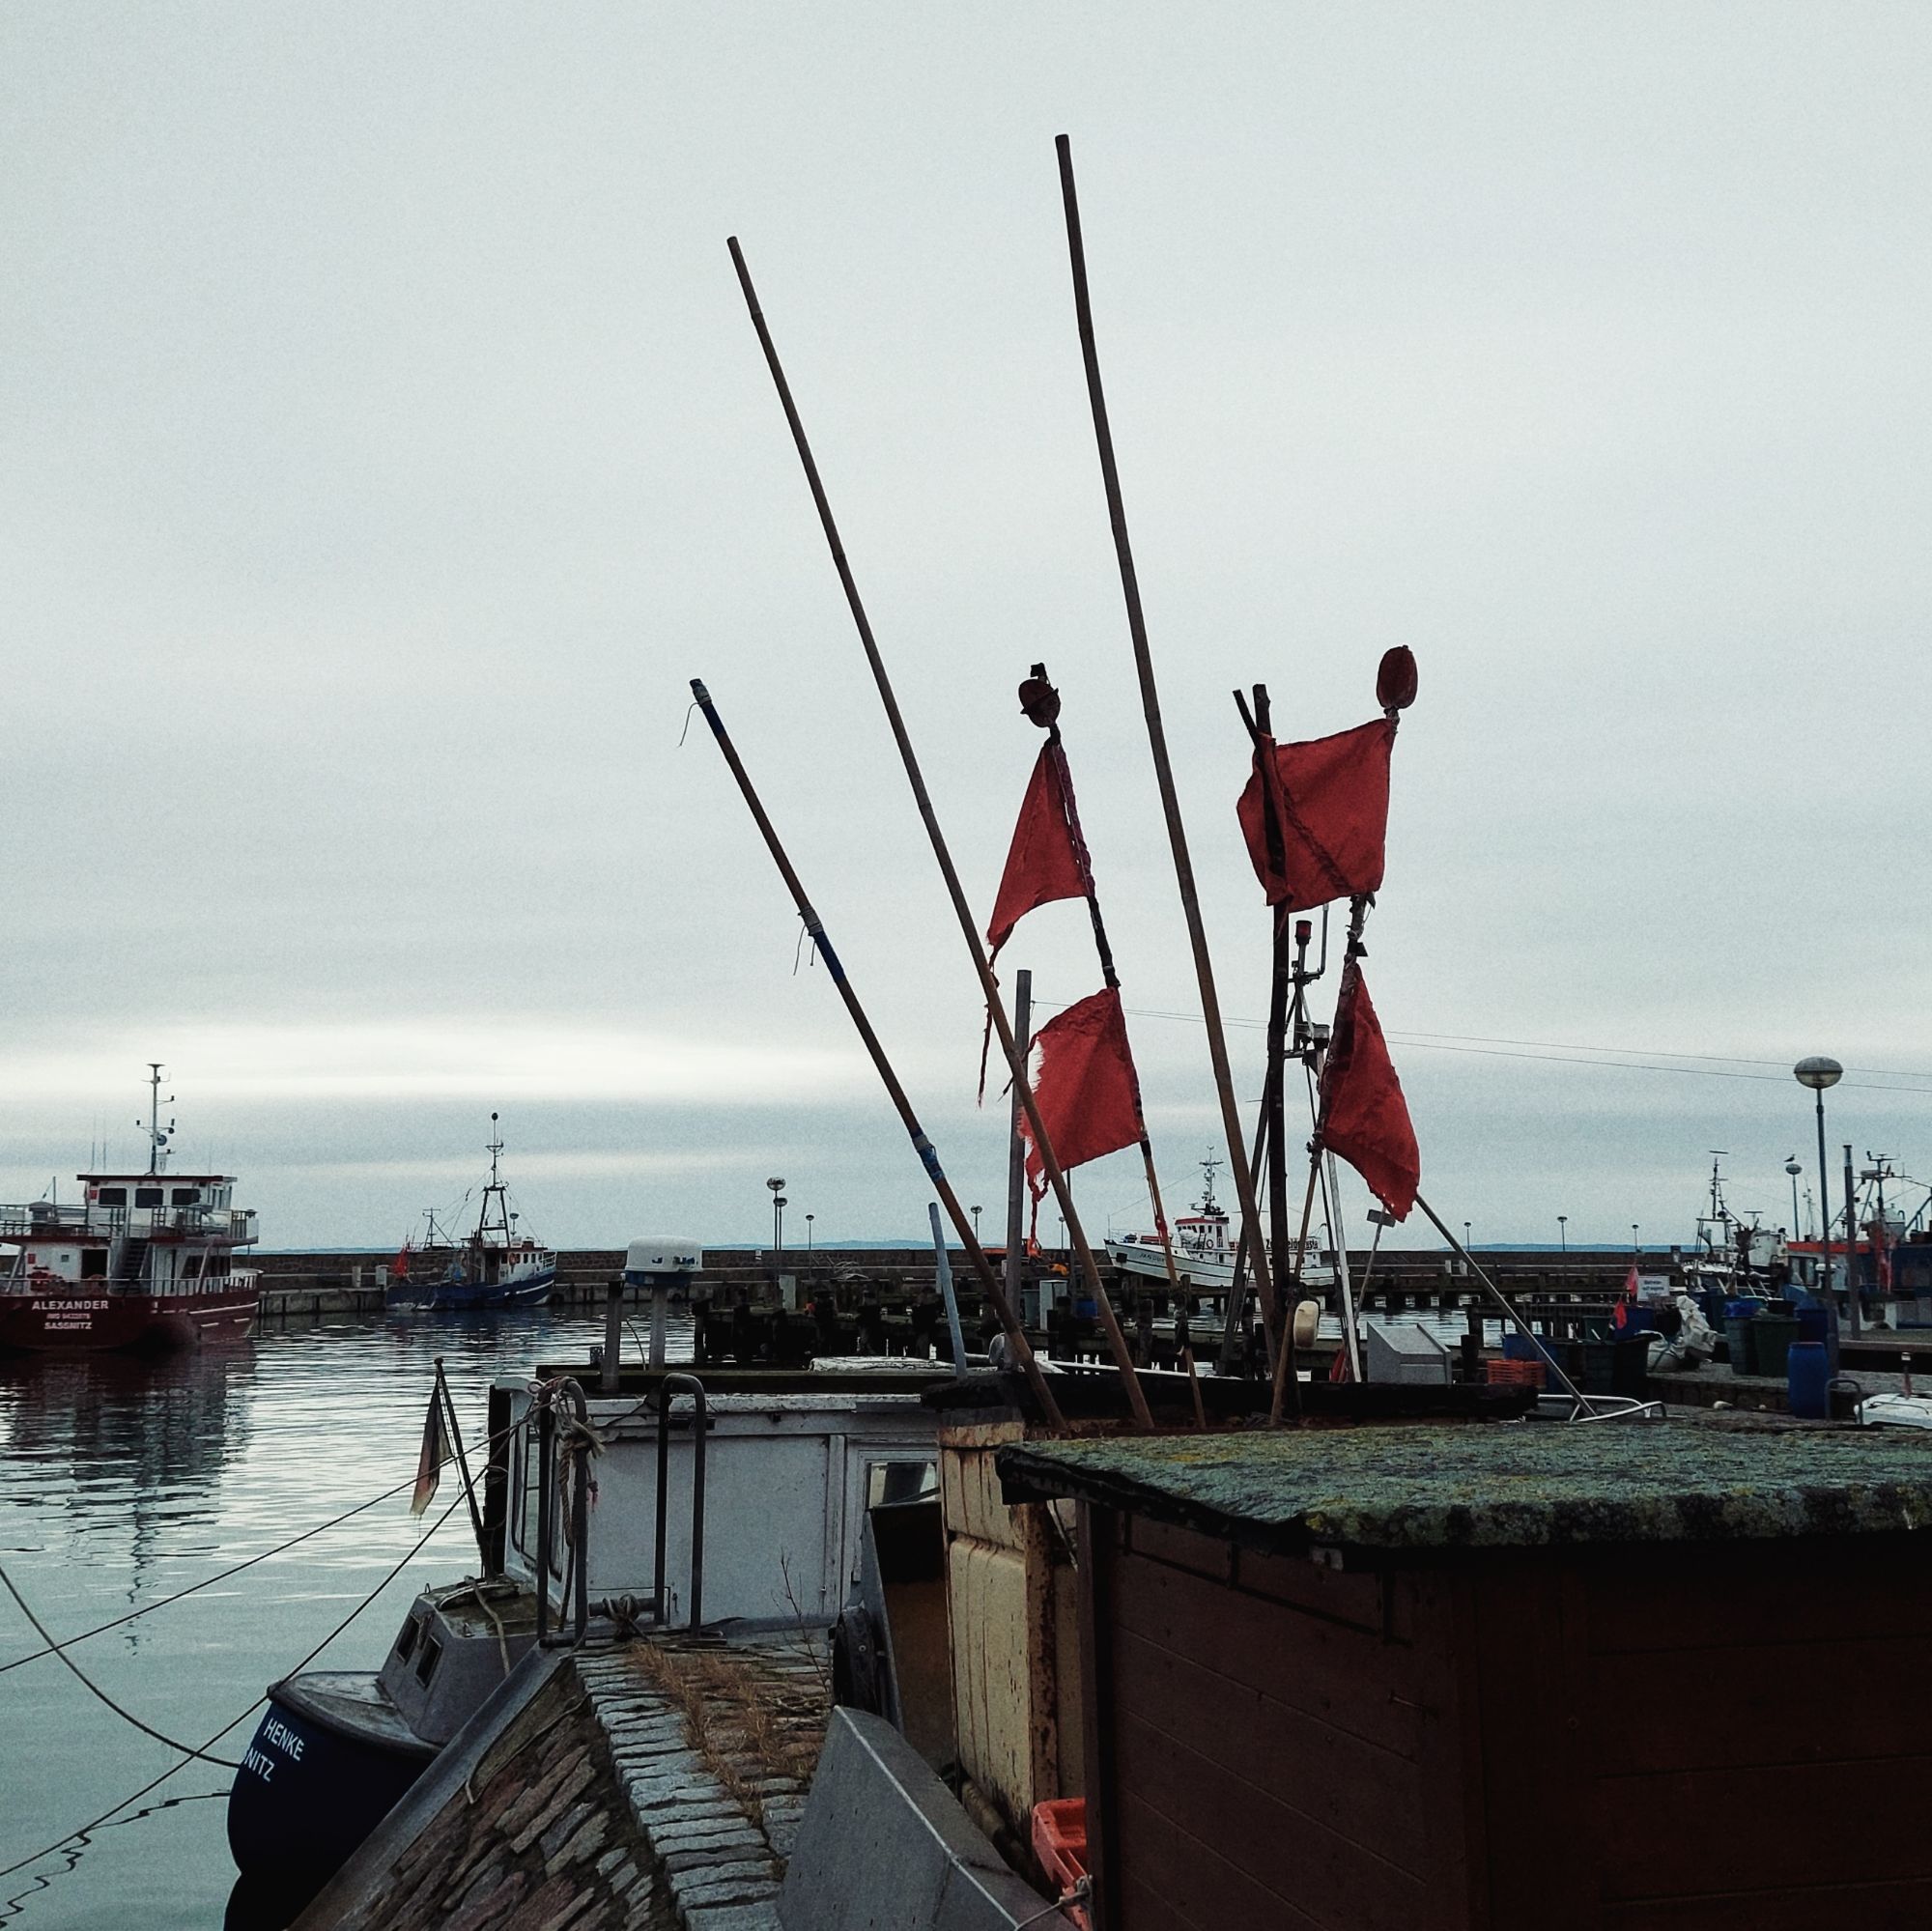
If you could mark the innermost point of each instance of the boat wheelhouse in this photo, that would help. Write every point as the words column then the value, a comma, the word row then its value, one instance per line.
column 143, row 1259
column 495, row 1266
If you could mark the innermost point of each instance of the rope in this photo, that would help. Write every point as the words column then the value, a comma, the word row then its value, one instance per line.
column 88, row 1684
column 221, row 1575
column 107, row 1816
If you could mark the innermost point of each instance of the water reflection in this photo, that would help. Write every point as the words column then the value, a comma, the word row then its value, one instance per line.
column 124, row 1480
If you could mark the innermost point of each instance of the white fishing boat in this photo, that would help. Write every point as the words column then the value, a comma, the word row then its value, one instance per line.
column 1203, row 1251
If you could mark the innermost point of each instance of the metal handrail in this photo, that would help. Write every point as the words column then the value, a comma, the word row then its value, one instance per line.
column 668, row 1388
column 578, row 1573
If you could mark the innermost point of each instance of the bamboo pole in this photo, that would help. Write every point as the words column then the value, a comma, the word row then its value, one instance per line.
column 962, row 1224
column 1170, row 804
column 1047, row 702
column 990, row 989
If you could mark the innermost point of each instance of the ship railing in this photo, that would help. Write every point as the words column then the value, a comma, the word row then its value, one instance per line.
column 235, row 1227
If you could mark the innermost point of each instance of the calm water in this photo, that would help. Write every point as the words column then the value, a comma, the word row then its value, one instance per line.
column 124, row 1481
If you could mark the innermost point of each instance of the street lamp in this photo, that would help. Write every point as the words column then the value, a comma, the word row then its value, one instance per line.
column 1563, row 1233
column 975, row 1213
column 1792, row 1168
column 1635, row 1249
column 809, row 1219
column 1819, row 1072
column 776, row 1185
column 1466, row 1237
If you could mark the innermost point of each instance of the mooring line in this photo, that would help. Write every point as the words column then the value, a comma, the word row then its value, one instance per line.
column 221, row 1575
column 88, row 1684
column 107, row 1816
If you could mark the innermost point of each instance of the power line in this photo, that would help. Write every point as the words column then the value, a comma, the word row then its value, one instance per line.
column 1657, row 1061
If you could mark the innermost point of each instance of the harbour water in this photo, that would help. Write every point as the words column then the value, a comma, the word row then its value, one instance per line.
column 127, row 1480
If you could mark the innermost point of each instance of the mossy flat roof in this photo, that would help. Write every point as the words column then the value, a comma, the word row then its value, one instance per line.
column 1498, row 1485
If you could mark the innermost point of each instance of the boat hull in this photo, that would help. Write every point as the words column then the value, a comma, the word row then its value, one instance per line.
column 35, row 1324
column 460, row 1296
column 328, row 1760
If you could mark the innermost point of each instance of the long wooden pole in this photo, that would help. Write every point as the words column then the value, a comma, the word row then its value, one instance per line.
column 962, row 1223
column 1183, row 868
column 1110, row 977
column 990, row 989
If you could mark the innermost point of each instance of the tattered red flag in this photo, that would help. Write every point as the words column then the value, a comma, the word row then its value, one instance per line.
column 1364, row 1116
column 1088, row 1099
column 1333, row 799
column 1045, row 862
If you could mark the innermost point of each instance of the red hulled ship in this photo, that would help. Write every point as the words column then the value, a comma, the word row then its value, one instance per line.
column 144, row 1261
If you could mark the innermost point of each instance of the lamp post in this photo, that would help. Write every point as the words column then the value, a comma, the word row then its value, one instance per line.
column 776, row 1185
column 1818, row 1072
column 809, row 1219
column 975, row 1213
column 1792, row 1168
column 1563, row 1236
column 1636, row 1250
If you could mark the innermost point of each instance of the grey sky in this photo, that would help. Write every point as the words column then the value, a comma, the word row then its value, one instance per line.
column 385, row 445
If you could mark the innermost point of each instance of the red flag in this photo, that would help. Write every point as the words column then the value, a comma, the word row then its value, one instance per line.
column 1046, row 861
column 1088, row 1099
column 399, row 1267
column 1333, row 798
column 1364, row 1116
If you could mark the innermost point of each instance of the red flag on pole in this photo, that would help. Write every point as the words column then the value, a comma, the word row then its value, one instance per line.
column 1088, row 1099
column 1333, row 799
column 1045, row 862
column 1364, row 1116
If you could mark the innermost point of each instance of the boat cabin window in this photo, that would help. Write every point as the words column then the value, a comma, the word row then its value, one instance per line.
column 148, row 1196
column 432, row 1649
column 888, row 1482
column 406, row 1642
column 94, row 1264
column 112, row 1197
column 185, row 1196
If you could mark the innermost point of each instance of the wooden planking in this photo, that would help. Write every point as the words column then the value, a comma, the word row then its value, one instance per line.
column 1539, row 1846
column 995, row 1718
column 1789, row 1593
column 1335, row 1878
column 1882, row 1906
column 1147, row 1910
column 1380, row 1603
column 1188, row 1877
column 1702, row 1832
column 1346, row 1677
column 1334, row 1779
column 1709, row 1709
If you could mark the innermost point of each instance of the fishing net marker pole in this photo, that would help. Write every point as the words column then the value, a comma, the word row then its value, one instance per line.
column 929, row 1156
column 1170, row 803
column 990, row 989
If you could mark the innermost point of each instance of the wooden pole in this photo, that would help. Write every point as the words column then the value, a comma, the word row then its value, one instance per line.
column 990, row 989
column 962, row 1223
column 1015, row 1257
column 1170, row 804
column 1046, row 704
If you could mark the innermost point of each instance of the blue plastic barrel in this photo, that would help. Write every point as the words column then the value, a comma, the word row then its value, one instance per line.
column 1809, row 1372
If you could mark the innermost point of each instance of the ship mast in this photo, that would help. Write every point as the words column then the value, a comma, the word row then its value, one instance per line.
column 157, row 1138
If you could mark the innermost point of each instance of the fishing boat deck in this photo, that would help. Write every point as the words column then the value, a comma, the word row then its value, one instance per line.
column 1426, row 1488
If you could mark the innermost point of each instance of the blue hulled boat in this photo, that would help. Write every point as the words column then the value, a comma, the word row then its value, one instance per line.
column 495, row 1266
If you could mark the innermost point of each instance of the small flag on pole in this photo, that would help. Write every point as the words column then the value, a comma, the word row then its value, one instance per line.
column 1089, row 1099
column 436, row 1450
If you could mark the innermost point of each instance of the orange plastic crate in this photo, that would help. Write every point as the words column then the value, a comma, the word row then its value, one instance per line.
column 1060, row 1843
column 1515, row 1374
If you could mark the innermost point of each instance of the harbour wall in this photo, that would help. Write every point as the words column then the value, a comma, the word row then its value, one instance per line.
column 312, row 1286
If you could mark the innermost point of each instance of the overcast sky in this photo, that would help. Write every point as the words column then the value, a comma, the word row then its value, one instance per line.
column 383, row 444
